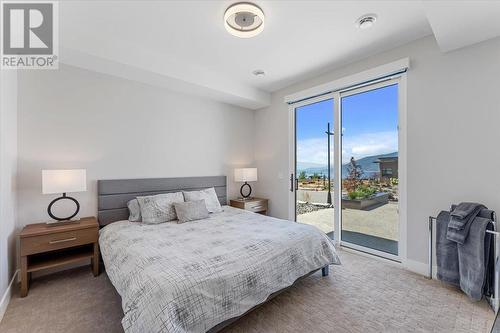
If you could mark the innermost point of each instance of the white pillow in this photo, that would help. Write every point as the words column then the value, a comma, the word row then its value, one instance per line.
column 159, row 208
column 191, row 211
column 210, row 197
column 134, row 211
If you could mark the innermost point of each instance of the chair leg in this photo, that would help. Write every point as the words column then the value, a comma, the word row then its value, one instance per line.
column 325, row 270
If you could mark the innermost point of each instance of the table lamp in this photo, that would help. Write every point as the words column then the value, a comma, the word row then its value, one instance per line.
column 63, row 181
column 245, row 175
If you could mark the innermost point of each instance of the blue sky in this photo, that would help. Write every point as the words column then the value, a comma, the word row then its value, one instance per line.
column 369, row 123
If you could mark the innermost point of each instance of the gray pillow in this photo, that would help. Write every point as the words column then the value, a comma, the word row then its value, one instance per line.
column 210, row 197
column 159, row 208
column 191, row 210
column 134, row 211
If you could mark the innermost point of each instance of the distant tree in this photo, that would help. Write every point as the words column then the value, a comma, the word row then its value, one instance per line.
column 302, row 175
column 315, row 176
column 355, row 171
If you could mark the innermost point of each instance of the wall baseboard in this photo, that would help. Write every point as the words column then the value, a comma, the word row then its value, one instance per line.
column 419, row 268
column 7, row 295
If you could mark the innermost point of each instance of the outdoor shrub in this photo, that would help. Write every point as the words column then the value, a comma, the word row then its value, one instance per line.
column 352, row 195
column 362, row 192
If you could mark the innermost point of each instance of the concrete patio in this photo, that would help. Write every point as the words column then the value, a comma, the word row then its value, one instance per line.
column 378, row 226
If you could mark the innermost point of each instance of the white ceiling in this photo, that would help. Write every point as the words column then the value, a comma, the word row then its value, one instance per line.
column 183, row 45
column 464, row 23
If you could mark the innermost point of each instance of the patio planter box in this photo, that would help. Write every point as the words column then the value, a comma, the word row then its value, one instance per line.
column 378, row 199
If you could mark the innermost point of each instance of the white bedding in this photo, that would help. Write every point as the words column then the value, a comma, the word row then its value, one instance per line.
column 190, row 277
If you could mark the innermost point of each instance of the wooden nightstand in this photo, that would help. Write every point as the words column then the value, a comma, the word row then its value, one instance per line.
column 256, row 205
column 44, row 246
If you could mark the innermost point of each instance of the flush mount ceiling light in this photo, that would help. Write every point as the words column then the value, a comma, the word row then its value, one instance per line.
column 366, row 21
column 244, row 20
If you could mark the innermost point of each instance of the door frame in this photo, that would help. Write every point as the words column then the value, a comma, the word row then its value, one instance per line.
column 399, row 79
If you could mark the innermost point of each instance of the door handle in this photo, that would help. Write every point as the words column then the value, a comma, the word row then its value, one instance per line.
column 291, row 182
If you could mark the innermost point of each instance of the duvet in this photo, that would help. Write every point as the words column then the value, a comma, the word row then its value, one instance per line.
column 190, row 277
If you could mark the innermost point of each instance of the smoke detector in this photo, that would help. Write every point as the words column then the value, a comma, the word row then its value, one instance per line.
column 366, row 21
column 244, row 20
column 259, row 73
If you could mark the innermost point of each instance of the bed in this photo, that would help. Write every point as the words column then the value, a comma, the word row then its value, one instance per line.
column 201, row 275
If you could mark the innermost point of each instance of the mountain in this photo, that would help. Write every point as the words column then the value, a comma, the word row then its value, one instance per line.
column 308, row 165
column 367, row 164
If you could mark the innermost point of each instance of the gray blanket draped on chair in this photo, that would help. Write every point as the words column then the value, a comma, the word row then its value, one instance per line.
column 468, row 265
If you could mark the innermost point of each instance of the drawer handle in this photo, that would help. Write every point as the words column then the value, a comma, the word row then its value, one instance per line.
column 62, row 240
column 257, row 207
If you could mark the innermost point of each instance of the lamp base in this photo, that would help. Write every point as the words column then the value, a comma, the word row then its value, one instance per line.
column 246, row 196
column 67, row 218
column 245, row 199
column 63, row 222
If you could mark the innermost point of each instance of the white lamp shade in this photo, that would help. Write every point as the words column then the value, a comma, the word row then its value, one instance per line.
column 64, row 181
column 245, row 175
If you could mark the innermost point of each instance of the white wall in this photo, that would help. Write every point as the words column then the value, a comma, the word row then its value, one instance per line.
column 72, row 118
column 115, row 128
column 8, row 166
column 453, row 132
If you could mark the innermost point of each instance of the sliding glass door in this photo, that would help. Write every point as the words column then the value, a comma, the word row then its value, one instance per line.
column 314, row 164
column 369, row 153
column 348, row 185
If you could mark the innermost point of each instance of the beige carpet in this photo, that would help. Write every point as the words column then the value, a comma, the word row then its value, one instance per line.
column 362, row 295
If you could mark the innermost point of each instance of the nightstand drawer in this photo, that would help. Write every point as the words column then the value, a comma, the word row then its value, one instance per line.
column 56, row 241
column 257, row 206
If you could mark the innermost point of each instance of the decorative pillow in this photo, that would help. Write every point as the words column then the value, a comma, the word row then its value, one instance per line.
column 134, row 211
column 159, row 208
column 210, row 197
column 191, row 210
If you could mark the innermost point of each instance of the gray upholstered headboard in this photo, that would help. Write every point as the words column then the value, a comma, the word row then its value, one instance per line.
column 113, row 195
